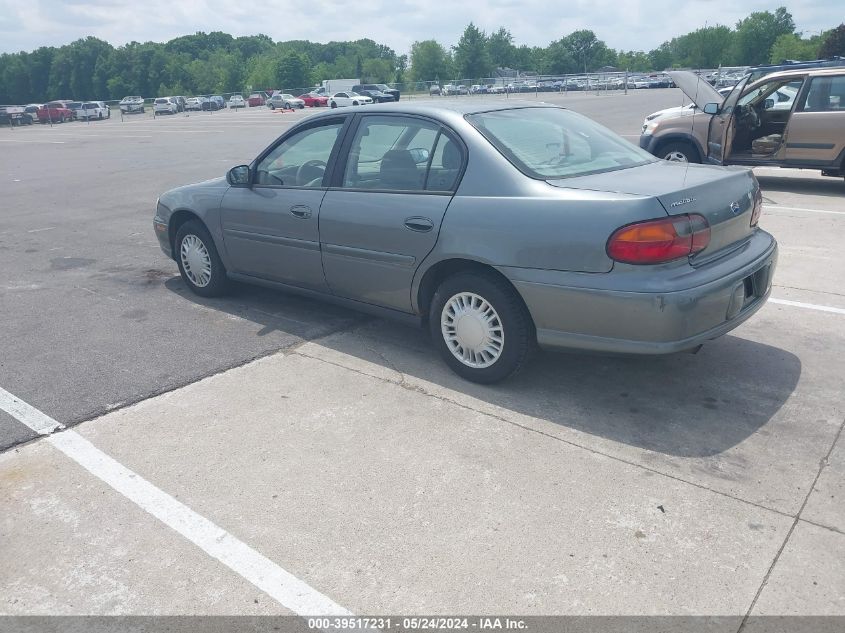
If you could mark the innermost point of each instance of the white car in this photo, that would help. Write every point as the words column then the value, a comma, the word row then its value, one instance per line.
column 93, row 110
column 283, row 100
column 237, row 101
column 165, row 105
column 194, row 103
column 132, row 104
column 341, row 99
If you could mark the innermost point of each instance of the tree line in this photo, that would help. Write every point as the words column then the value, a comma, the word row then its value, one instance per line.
column 210, row 63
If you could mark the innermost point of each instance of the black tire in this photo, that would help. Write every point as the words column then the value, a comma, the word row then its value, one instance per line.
column 354, row 103
column 334, row 104
column 519, row 337
column 272, row 107
column 219, row 282
column 678, row 148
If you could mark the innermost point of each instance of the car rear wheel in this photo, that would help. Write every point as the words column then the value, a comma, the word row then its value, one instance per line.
column 199, row 264
column 480, row 327
column 679, row 152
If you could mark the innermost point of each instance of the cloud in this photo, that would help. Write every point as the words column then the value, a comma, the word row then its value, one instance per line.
column 629, row 25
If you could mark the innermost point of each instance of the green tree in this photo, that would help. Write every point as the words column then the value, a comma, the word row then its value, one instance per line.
column 834, row 43
column 429, row 61
column 471, row 57
column 500, row 48
column 293, row 70
column 791, row 46
column 756, row 34
column 588, row 51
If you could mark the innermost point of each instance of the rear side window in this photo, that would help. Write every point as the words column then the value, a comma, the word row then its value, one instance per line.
column 826, row 94
column 391, row 153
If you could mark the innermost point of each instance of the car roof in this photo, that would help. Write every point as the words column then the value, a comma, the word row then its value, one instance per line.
column 815, row 72
column 460, row 108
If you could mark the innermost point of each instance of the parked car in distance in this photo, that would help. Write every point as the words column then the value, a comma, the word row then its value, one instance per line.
column 498, row 90
column 435, row 90
column 793, row 118
column 180, row 103
column 343, row 99
column 93, row 110
column 165, row 105
column 237, row 101
column 394, row 92
column 193, row 104
column 15, row 115
column 132, row 105
column 55, row 112
column 371, row 91
column 208, row 104
column 314, row 100
column 256, row 99
column 219, row 100
column 611, row 250
column 284, row 100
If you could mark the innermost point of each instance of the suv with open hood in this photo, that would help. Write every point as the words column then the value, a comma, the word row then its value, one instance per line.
column 793, row 118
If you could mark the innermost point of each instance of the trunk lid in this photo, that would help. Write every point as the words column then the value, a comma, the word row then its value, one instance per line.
column 724, row 196
column 696, row 88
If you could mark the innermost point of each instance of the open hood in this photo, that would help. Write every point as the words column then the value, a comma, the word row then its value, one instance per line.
column 695, row 88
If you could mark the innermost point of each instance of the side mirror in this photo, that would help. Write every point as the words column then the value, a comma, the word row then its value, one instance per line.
column 419, row 154
column 238, row 176
column 711, row 108
column 768, row 104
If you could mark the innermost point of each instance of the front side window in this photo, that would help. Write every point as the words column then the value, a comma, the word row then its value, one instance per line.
column 548, row 143
column 390, row 153
column 300, row 160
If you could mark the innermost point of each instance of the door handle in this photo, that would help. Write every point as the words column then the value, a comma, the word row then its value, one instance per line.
column 301, row 211
column 421, row 225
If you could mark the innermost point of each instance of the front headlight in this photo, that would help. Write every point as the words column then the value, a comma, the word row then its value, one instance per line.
column 649, row 126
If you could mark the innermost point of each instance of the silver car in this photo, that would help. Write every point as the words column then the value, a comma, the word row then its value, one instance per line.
column 499, row 227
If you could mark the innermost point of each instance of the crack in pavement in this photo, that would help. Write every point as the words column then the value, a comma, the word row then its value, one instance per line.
column 825, row 461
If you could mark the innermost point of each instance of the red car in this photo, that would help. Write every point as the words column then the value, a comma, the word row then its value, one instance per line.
column 313, row 100
column 55, row 112
column 256, row 99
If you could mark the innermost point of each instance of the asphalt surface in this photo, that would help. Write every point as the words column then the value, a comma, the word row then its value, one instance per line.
column 351, row 458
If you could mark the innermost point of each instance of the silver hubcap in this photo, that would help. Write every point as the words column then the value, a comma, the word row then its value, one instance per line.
column 676, row 157
column 472, row 330
column 196, row 261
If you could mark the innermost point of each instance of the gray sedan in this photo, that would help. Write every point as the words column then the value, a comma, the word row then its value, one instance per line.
column 498, row 227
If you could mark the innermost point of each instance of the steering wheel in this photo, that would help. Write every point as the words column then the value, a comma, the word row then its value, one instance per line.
column 302, row 176
column 750, row 116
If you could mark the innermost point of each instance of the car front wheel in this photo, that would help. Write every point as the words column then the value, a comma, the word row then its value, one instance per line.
column 679, row 152
column 199, row 264
column 480, row 327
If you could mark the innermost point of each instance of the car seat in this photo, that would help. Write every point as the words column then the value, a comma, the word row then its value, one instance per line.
column 399, row 171
column 443, row 178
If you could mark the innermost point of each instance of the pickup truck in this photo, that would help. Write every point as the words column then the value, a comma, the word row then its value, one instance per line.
column 55, row 112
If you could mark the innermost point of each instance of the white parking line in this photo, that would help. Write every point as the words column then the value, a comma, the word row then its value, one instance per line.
column 288, row 590
column 32, row 417
column 777, row 207
column 809, row 306
column 14, row 140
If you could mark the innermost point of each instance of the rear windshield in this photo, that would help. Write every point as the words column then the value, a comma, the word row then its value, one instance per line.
column 547, row 143
column 88, row 106
column 162, row 101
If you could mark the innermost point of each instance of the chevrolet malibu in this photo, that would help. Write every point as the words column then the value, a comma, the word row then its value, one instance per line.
column 497, row 227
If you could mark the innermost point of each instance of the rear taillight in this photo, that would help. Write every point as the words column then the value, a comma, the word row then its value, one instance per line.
column 659, row 241
column 758, row 207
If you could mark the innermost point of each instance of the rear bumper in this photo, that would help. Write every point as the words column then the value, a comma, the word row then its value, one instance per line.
column 680, row 314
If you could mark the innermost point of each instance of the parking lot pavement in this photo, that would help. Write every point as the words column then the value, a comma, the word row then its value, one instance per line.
column 348, row 459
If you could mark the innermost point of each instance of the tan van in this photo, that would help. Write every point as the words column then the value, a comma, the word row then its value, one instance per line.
column 793, row 118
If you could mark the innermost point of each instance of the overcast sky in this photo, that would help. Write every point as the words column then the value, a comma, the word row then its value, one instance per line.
column 625, row 24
